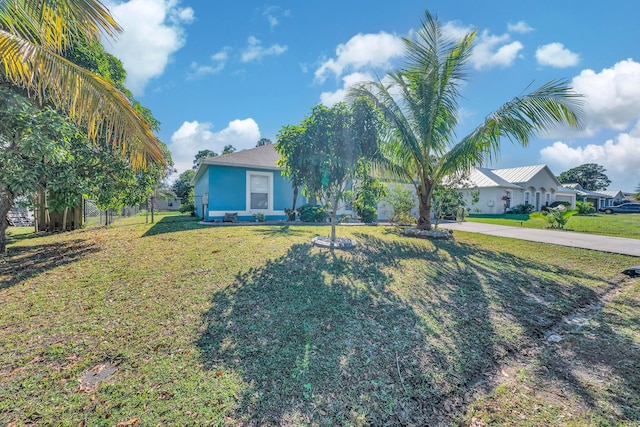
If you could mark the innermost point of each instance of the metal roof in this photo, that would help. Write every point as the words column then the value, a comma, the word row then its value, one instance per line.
column 484, row 177
column 521, row 174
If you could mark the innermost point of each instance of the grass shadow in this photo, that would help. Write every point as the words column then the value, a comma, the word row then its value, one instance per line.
column 24, row 262
column 172, row 224
column 394, row 332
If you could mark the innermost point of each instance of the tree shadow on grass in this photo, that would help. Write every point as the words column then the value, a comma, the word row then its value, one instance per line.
column 395, row 332
column 172, row 224
column 24, row 262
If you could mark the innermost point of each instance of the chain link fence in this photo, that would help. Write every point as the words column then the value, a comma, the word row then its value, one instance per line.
column 94, row 217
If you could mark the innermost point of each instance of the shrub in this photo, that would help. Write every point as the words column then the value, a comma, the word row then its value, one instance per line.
column 559, row 216
column 556, row 204
column 585, row 208
column 291, row 214
column 312, row 213
column 401, row 201
column 259, row 216
column 367, row 198
column 367, row 214
column 188, row 206
column 524, row 208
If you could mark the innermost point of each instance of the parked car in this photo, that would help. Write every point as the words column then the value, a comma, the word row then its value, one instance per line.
column 623, row 208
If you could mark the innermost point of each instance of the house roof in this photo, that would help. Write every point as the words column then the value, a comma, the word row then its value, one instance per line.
column 484, row 177
column 265, row 157
column 523, row 174
column 259, row 157
column 612, row 193
column 604, row 194
column 510, row 178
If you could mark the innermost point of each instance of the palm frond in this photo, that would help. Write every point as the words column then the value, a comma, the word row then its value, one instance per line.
column 32, row 36
column 518, row 120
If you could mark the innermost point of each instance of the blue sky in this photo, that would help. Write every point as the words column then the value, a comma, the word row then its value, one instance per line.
column 218, row 73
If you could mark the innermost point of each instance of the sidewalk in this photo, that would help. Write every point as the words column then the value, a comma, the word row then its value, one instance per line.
column 616, row 245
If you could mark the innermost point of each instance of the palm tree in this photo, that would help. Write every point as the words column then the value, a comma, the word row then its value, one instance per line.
column 419, row 104
column 34, row 34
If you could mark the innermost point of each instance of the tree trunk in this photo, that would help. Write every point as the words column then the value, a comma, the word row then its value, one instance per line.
column 295, row 197
column 6, row 202
column 424, row 208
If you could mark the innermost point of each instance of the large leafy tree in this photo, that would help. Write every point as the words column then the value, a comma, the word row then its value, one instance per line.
column 34, row 151
column 201, row 155
column 34, row 35
column 590, row 176
column 419, row 103
column 327, row 150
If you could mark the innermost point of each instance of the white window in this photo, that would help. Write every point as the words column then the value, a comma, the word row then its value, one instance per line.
column 547, row 198
column 527, row 198
column 259, row 190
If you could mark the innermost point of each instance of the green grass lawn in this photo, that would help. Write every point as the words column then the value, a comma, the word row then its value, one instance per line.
column 618, row 225
column 178, row 324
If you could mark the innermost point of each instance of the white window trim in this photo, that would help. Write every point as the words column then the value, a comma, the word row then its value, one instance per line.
column 527, row 198
column 269, row 175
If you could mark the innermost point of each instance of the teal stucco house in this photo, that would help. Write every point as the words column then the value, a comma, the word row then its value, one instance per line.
column 245, row 182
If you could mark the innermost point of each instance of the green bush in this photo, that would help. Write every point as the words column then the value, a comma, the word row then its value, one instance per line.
column 188, row 206
column 559, row 216
column 367, row 214
column 370, row 193
column 524, row 208
column 401, row 201
column 312, row 213
column 585, row 208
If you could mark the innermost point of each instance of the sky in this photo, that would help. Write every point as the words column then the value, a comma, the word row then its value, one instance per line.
column 216, row 73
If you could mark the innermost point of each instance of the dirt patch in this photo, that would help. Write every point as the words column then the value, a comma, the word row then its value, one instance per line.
column 91, row 378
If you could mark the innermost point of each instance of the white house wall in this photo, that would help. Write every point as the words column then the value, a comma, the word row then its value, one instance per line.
column 490, row 201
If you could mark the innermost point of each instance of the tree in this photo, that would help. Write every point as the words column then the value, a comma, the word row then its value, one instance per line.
column 182, row 186
column 201, row 155
column 419, row 104
column 327, row 150
column 33, row 36
column 263, row 141
column 228, row 149
column 34, row 147
column 590, row 176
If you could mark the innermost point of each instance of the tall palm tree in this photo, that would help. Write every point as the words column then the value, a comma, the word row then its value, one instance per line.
column 419, row 104
column 34, row 34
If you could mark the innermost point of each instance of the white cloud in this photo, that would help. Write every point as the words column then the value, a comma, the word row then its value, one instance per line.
column 194, row 136
column 490, row 50
column 619, row 156
column 331, row 98
column 271, row 14
column 153, row 31
column 218, row 62
column 255, row 50
column 556, row 55
column 519, row 27
column 362, row 50
column 612, row 96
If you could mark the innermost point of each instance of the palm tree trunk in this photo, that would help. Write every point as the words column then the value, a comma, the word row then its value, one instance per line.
column 6, row 202
column 424, row 209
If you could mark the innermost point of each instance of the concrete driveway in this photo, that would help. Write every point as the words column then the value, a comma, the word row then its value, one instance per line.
column 616, row 245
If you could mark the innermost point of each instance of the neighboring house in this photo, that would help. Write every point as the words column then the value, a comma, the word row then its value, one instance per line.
column 502, row 189
column 616, row 196
column 245, row 182
column 599, row 199
column 160, row 204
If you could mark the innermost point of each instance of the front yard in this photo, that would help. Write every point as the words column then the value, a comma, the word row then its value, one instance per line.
column 177, row 324
column 617, row 225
